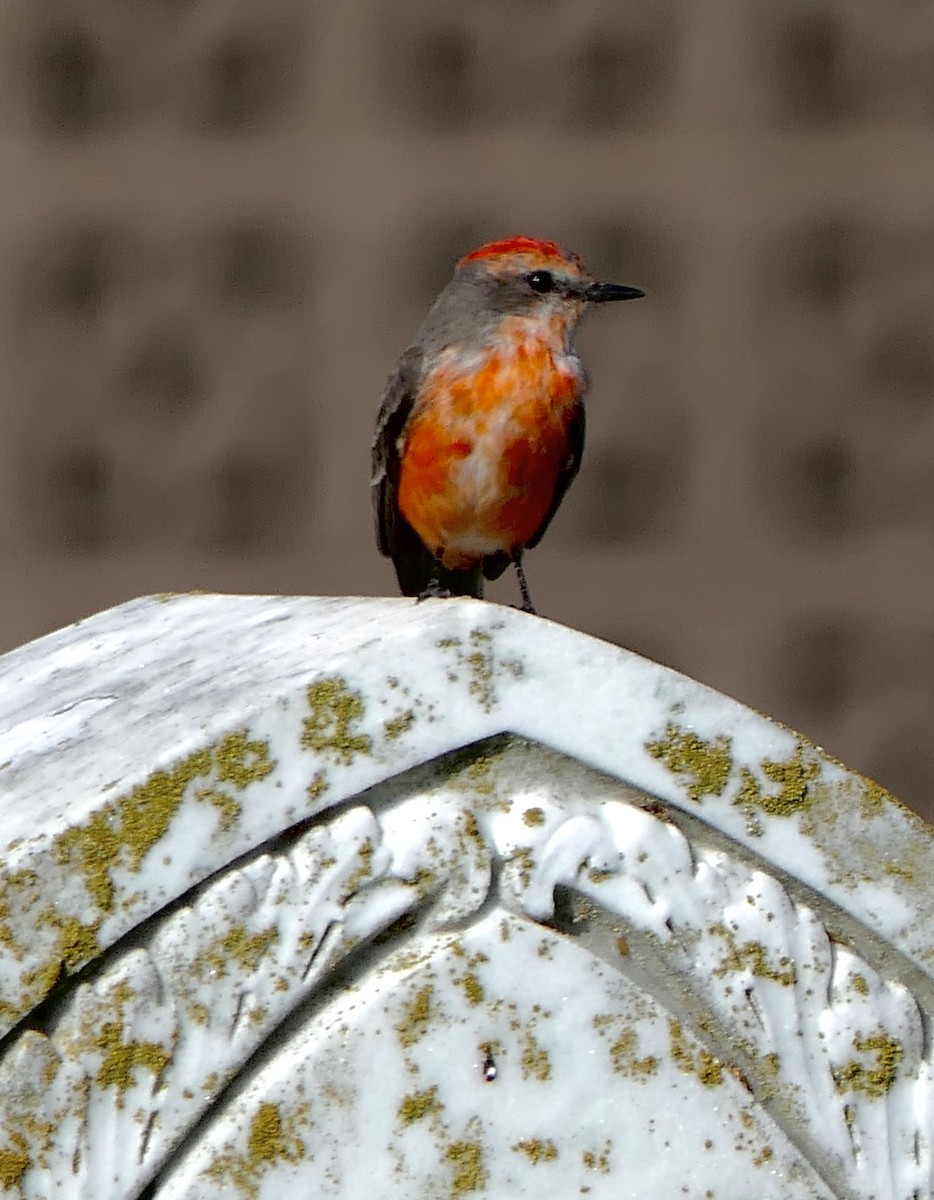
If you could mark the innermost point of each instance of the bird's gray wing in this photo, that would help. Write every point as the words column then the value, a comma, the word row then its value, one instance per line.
column 395, row 406
column 576, row 430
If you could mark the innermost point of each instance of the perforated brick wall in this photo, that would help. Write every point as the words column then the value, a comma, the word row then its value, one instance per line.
column 220, row 221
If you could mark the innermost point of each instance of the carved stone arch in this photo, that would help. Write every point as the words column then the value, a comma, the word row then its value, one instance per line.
column 341, row 897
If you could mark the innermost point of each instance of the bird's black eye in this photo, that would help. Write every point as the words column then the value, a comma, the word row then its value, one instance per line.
column 541, row 282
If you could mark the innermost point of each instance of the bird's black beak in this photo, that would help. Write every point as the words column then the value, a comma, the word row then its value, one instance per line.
column 599, row 293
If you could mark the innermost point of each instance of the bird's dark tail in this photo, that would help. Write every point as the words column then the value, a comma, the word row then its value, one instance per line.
column 420, row 574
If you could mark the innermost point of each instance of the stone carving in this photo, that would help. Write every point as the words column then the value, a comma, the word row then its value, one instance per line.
column 320, row 948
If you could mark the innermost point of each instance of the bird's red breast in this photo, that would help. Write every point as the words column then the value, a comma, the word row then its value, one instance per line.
column 483, row 448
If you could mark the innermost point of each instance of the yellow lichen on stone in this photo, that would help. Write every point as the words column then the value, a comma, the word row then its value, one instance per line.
column 535, row 1060
column 705, row 765
column 473, row 988
column 30, row 1127
column 709, row 1070
column 270, row 1139
column 793, row 776
column 122, row 1058
column 77, row 943
column 875, row 798
column 238, row 948
column 481, row 665
column 318, row 786
column 18, row 891
column 364, row 871
column 623, row 1053
column 199, row 1013
column 119, row 835
column 525, row 863
column 472, row 828
column 537, row 1150
column 417, row 1105
column 124, row 830
column 423, row 881
column 534, row 816
column 397, row 726
column 470, row 837
column 104, row 1034
column 751, row 957
column 15, row 1161
column 335, row 709
column 478, row 776
column 37, row 983
column 874, row 1081
column 414, row 1023
column 467, row 1161
column 146, row 813
column 240, row 761
column 597, row 1160
column 227, row 807
column 266, row 1141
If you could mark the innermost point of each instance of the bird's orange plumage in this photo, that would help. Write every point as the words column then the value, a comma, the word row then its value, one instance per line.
column 484, row 447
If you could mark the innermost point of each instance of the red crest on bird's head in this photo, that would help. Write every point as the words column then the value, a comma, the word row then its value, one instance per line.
column 531, row 251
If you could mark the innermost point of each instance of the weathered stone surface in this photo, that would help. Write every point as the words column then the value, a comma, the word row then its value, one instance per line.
column 344, row 897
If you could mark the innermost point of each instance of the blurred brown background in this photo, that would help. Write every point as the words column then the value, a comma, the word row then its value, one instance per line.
column 221, row 220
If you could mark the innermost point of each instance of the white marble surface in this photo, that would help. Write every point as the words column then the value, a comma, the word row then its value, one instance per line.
column 322, row 866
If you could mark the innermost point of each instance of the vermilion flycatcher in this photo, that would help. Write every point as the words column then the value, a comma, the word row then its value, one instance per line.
column 481, row 425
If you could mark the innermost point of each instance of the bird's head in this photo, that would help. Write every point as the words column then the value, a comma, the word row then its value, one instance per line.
column 534, row 281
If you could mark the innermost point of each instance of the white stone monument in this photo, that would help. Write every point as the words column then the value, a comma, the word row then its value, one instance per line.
column 369, row 898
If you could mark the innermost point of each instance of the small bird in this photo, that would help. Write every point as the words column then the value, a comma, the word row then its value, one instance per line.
column 481, row 425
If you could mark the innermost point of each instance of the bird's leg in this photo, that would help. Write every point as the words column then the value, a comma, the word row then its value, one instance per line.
column 527, row 605
column 433, row 589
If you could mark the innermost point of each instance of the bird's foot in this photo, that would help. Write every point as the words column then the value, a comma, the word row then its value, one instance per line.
column 433, row 591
